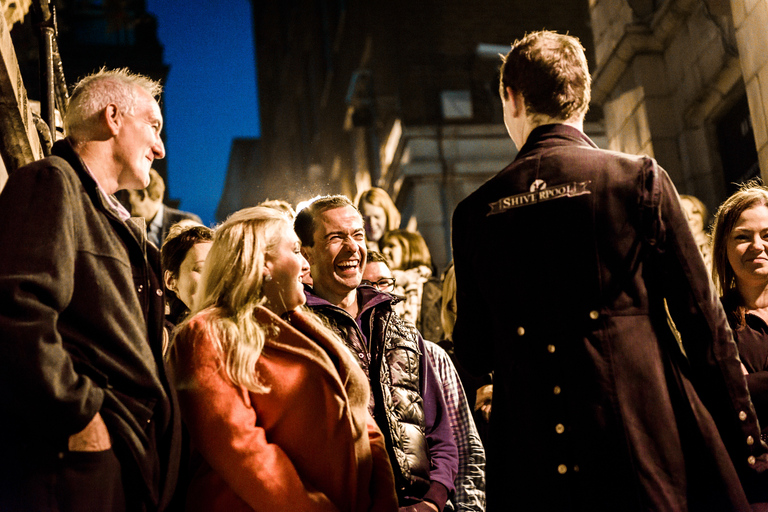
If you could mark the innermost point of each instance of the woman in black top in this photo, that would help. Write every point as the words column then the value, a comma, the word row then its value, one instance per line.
column 740, row 270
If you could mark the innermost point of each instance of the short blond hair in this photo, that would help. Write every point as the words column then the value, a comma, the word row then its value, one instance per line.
column 93, row 93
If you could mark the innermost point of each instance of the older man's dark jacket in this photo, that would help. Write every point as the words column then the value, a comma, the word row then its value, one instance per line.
column 81, row 318
column 563, row 264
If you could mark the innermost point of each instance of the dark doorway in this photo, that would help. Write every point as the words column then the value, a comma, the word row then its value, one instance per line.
column 737, row 146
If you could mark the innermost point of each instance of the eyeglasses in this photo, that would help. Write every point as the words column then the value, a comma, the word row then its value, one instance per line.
column 384, row 284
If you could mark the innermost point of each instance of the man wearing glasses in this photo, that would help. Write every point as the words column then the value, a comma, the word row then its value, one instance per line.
column 470, row 479
column 378, row 274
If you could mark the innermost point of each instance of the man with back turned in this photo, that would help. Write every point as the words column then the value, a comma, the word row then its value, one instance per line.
column 594, row 400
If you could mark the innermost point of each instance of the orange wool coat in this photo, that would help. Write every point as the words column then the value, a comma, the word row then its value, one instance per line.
column 309, row 444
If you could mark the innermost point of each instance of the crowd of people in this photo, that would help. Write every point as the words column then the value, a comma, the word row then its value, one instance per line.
column 316, row 360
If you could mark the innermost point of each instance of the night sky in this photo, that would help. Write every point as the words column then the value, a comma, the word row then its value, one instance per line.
column 210, row 94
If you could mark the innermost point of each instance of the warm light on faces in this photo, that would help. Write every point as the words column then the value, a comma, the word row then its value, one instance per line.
column 375, row 272
column 285, row 265
column 186, row 283
column 375, row 219
column 338, row 254
column 137, row 143
column 747, row 245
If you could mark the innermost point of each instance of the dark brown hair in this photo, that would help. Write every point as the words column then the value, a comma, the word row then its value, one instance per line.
column 376, row 257
column 178, row 244
column 304, row 225
column 752, row 193
column 551, row 72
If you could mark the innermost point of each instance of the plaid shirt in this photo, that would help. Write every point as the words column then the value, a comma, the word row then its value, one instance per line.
column 470, row 480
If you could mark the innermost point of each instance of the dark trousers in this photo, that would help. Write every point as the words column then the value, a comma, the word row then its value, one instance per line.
column 66, row 482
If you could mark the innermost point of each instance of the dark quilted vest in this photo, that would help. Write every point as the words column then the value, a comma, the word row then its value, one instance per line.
column 399, row 405
column 398, row 408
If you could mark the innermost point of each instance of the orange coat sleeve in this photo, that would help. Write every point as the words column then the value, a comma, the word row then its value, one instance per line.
column 383, row 497
column 223, row 428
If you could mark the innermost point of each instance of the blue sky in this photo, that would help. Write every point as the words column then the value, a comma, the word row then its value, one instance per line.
column 210, row 94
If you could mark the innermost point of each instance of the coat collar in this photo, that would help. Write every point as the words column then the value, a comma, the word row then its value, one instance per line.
column 551, row 135
column 368, row 297
column 299, row 336
column 64, row 150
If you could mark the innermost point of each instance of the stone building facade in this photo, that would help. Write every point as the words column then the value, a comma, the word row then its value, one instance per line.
column 686, row 82
column 398, row 94
column 90, row 35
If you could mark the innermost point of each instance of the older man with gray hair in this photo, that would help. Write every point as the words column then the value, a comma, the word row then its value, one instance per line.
column 90, row 419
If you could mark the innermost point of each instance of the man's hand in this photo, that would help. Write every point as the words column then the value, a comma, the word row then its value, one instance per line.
column 483, row 401
column 93, row 438
column 422, row 506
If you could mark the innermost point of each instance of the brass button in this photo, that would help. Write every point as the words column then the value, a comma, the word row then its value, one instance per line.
column 742, row 416
column 751, row 460
column 556, row 390
column 159, row 292
column 594, row 315
column 551, row 349
column 750, row 440
column 520, row 331
column 559, row 428
column 140, row 288
column 562, row 468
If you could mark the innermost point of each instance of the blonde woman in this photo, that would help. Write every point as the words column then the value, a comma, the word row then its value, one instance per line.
column 276, row 406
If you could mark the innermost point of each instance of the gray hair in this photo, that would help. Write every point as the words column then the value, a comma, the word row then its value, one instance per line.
column 93, row 93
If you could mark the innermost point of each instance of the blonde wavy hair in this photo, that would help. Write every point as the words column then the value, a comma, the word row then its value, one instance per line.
column 232, row 289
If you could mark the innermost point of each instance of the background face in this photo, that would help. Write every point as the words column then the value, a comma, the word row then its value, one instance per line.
column 141, row 205
column 394, row 254
column 695, row 219
column 375, row 218
column 190, row 272
column 376, row 270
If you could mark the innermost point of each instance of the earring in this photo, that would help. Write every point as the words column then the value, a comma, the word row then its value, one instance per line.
column 267, row 277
